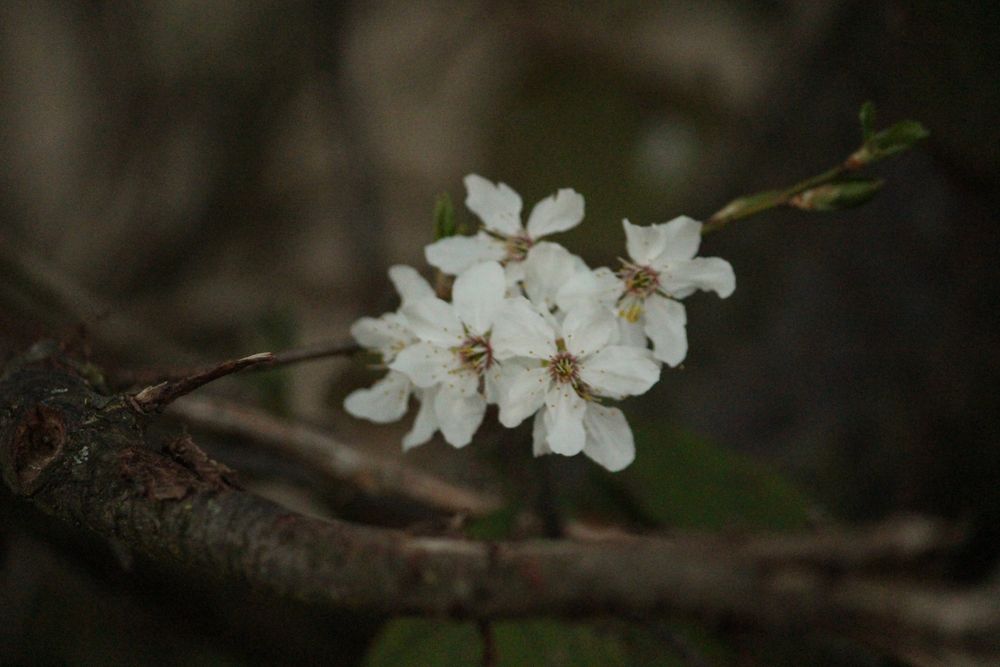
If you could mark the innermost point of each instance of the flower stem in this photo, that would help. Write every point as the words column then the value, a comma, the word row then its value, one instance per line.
column 750, row 205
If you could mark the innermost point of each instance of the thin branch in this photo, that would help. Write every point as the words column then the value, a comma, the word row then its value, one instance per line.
column 751, row 205
column 54, row 432
column 339, row 462
column 156, row 397
column 124, row 379
column 312, row 353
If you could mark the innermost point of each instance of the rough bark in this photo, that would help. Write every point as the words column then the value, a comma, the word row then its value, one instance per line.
column 87, row 459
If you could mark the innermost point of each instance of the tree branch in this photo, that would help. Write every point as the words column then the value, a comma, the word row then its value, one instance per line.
column 332, row 458
column 86, row 459
column 156, row 397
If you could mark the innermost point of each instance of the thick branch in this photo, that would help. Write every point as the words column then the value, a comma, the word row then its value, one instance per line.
column 82, row 458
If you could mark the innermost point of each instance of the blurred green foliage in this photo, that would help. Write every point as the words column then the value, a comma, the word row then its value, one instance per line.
column 685, row 481
column 437, row 643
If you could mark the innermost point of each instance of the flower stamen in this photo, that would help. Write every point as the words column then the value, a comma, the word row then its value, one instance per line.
column 517, row 248
column 476, row 354
column 640, row 282
column 564, row 368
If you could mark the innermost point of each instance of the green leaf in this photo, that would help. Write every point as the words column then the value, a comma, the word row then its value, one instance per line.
column 444, row 217
column 867, row 116
column 688, row 482
column 556, row 643
column 837, row 195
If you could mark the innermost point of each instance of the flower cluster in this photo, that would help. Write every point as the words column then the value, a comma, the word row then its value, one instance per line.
column 533, row 330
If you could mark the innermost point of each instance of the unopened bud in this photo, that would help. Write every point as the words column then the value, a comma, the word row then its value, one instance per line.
column 837, row 196
column 900, row 137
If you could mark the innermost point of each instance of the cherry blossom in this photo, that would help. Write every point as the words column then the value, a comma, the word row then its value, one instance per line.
column 504, row 238
column 454, row 355
column 562, row 371
column 531, row 328
column 387, row 400
column 646, row 291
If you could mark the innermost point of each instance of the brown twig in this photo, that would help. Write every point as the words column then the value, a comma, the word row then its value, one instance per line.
column 124, row 379
column 312, row 353
column 156, row 397
column 332, row 458
column 54, row 431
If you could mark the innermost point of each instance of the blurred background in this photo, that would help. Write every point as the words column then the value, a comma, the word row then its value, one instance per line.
column 226, row 177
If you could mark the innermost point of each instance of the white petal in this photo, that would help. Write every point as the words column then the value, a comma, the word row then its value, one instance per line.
column 600, row 285
column 383, row 333
column 547, row 268
column 665, row 322
column 383, row 402
column 426, row 364
column 492, row 385
column 588, row 328
column 410, row 285
column 515, row 275
column 521, row 331
column 681, row 238
column 539, row 436
column 631, row 333
column 556, row 213
column 435, row 321
column 620, row 370
column 682, row 277
column 497, row 206
column 609, row 438
column 459, row 415
column 643, row 243
column 478, row 294
column 522, row 391
column 564, row 411
column 455, row 254
column 425, row 423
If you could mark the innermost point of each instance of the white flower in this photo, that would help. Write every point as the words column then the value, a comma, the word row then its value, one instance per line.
column 661, row 270
column 609, row 439
column 386, row 400
column 454, row 356
column 560, row 371
column 547, row 269
column 504, row 238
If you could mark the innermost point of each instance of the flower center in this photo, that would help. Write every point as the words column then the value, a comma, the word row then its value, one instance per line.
column 476, row 354
column 564, row 368
column 640, row 282
column 518, row 247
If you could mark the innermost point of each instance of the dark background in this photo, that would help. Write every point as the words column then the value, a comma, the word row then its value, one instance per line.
column 239, row 176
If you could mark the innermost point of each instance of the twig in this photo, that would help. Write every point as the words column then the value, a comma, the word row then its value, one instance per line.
column 123, row 379
column 312, row 353
column 748, row 206
column 158, row 396
column 835, row 188
column 332, row 458
column 53, row 434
